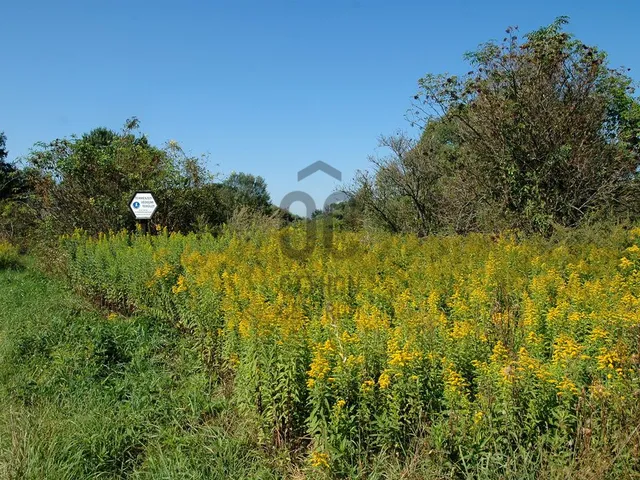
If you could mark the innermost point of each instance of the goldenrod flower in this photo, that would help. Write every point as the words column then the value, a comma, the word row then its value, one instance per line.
column 384, row 381
column 319, row 460
column 179, row 287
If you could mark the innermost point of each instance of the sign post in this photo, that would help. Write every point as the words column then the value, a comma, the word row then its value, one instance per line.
column 143, row 206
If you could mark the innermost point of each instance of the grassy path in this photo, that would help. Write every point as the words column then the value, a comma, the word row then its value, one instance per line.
column 88, row 395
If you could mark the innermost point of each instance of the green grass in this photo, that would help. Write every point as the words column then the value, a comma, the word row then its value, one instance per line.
column 87, row 395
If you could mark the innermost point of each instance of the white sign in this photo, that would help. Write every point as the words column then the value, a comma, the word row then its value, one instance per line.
column 143, row 205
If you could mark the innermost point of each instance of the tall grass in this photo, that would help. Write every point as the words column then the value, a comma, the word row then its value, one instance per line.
column 92, row 394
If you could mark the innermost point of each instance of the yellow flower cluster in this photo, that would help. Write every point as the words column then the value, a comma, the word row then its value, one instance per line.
column 566, row 348
column 320, row 366
column 384, row 381
column 454, row 381
column 180, row 286
column 567, row 387
column 398, row 325
column 610, row 360
column 319, row 459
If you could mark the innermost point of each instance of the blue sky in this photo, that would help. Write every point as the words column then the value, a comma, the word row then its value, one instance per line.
column 263, row 87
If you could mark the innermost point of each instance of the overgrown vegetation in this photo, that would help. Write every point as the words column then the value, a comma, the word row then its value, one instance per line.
column 540, row 133
column 474, row 313
column 92, row 394
column 87, row 182
column 9, row 256
column 499, row 356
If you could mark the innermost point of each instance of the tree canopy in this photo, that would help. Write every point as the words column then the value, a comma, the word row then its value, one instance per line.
column 86, row 182
column 539, row 133
column 248, row 190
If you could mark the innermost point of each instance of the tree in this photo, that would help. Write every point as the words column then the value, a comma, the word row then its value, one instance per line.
column 3, row 147
column 16, row 216
column 548, row 134
column 86, row 182
column 192, row 201
column 7, row 171
column 13, row 182
column 249, row 191
column 407, row 190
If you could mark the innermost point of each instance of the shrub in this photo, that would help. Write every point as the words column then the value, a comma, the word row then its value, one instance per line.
column 246, row 222
column 9, row 256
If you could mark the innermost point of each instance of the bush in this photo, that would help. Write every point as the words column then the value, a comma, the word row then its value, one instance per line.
column 246, row 222
column 9, row 256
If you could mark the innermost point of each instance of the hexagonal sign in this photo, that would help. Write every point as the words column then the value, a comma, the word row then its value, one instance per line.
column 143, row 205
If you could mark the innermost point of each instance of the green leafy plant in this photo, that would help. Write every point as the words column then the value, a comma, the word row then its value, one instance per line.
column 9, row 255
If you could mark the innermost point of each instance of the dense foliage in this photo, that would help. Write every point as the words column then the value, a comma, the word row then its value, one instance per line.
column 87, row 182
column 539, row 133
column 5, row 169
column 9, row 255
column 476, row 349
column 13, row 189
column 87, row 394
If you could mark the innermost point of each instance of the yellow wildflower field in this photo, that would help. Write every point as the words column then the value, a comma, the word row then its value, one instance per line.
column 468, row 342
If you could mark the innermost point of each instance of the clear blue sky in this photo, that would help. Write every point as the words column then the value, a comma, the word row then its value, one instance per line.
column 263, row 87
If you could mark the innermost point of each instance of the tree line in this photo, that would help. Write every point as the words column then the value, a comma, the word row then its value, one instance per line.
column 539, row 134
column 86, row 182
